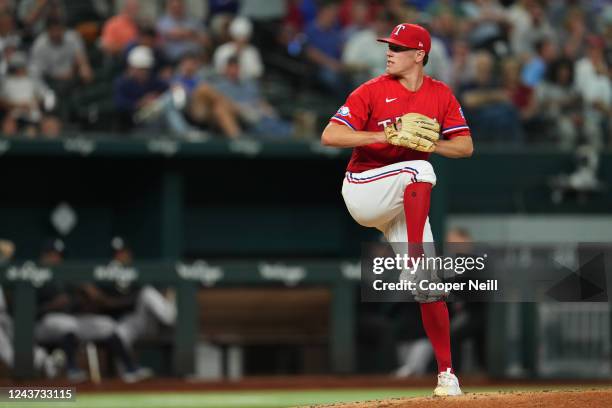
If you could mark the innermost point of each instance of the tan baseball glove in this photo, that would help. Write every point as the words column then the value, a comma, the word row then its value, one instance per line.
column 414, row 131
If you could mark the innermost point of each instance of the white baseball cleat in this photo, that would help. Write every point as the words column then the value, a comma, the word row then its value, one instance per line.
column 448, row 385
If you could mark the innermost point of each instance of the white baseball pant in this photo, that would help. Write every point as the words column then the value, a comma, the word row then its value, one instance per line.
column 152, row 311
column 87, row 327
column 375, row 198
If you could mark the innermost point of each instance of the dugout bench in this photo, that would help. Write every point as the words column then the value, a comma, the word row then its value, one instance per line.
column 339, row 277
column 238, row 317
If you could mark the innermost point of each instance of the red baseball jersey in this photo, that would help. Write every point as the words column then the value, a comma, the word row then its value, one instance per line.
column 384, row 99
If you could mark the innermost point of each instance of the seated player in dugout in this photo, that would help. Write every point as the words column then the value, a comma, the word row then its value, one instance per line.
column 393, row 123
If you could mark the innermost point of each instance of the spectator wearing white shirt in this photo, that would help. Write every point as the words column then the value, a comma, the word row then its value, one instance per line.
column 592, row 82
column 439, row 63
column 559, row 105
column 22, row 97
column 363, row 54
column 358, row 18
column 59, row 58
column 249, row 59
column 486, row 21
column 58, row 53
column 528, row 24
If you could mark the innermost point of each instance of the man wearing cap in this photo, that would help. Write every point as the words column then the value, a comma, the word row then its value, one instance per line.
column 249, row 59
column 138, row 86
column 388, row 184
column 55, row 323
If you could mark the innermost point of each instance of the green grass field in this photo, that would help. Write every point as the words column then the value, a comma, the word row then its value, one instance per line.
column 225, row 399
column 245, row 399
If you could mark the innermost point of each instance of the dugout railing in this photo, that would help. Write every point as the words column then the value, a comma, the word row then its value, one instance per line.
column 340, row 277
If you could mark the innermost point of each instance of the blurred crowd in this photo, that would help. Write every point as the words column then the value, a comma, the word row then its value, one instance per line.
column 72, row 318
column 525, row 71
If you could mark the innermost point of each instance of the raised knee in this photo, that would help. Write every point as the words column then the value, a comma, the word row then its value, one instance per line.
column 364, row 217
column 367, row 222
column 425, row 172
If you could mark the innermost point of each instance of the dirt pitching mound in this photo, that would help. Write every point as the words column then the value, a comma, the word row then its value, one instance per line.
column 518, row 399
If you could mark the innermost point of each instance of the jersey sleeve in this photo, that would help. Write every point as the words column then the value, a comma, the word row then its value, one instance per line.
column 454, row 123
column 354, row 112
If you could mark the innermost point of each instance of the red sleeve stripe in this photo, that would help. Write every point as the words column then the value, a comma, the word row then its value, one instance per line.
column 455, row 129
column 343, row 121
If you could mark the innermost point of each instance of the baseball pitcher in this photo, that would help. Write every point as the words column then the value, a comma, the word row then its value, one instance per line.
column 393, row 123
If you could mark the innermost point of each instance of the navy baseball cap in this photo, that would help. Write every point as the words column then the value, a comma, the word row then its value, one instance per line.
column 118, row 244
column 410, row 36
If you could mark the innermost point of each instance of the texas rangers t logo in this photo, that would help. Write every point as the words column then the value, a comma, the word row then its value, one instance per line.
column 398, row 29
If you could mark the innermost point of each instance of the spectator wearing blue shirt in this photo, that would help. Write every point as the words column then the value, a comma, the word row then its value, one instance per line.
column 535, row 69
column 187, row 73
column 180, row 32
column 309, row 10
column 137, row 87
column 324, row 49
column 205, row 105
column 488, row 106
column 247, row 101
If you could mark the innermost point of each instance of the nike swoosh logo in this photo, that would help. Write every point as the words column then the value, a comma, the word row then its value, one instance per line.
column 390, row 100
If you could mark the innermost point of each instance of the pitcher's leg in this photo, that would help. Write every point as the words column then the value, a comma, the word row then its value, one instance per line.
column 412, row 227
column 435, row 314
